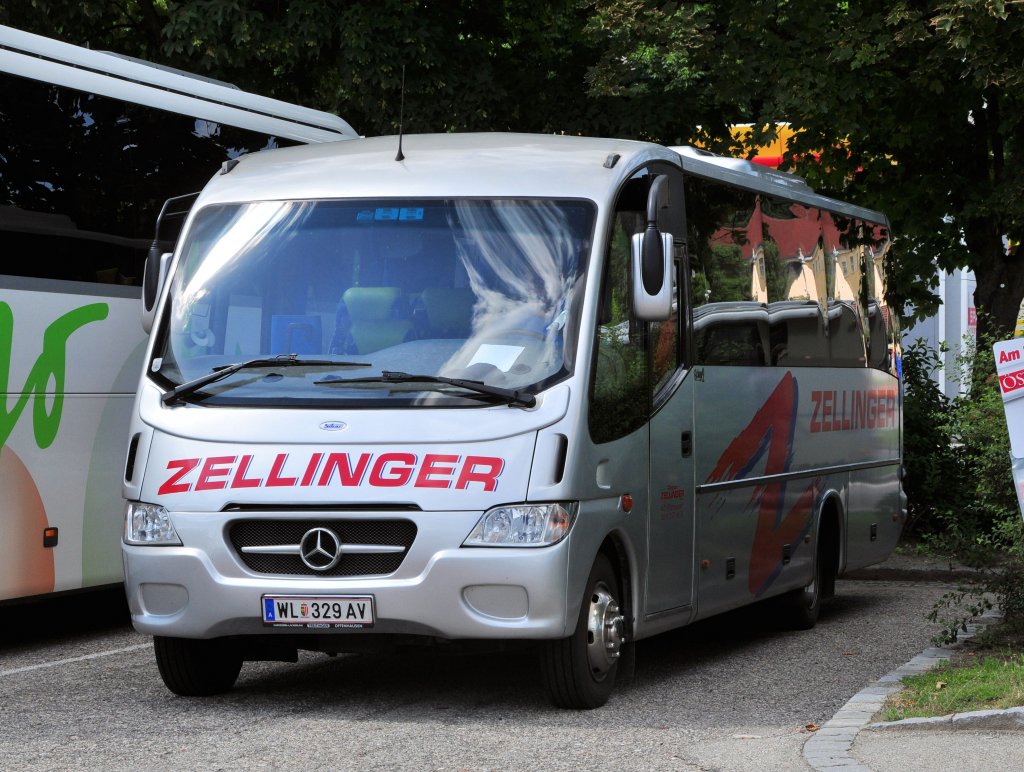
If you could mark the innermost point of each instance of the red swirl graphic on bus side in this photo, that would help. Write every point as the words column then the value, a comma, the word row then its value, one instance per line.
column 769, row 433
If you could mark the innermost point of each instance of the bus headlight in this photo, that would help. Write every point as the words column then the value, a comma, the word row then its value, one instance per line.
column 522, row 525
column 148, row 524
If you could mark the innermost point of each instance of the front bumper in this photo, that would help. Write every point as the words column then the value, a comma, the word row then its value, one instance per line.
column 204, row 590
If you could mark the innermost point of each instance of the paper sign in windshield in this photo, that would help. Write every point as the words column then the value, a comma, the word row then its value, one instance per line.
column 502, row 357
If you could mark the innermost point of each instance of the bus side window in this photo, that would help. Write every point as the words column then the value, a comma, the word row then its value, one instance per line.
column 880, row 331
column 618, row 398
column 730, row 274
column 846, row 339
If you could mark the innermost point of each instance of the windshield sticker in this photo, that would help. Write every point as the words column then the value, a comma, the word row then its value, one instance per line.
column 502, row 357
column 321, row 470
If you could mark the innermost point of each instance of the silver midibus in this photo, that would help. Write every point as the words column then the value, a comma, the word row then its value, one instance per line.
column 91, row 145
column 505, row 387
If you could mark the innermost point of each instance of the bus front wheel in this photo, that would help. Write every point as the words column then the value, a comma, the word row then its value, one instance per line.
column 579, row 671
column 196, row 668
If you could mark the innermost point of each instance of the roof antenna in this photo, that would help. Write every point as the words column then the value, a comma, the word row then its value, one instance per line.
column 401, row 119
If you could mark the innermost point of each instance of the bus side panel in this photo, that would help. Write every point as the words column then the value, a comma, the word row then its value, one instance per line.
column 874, row 512
column 68, row 364
column 599, row 476
column 873, row 525
column 770, row 443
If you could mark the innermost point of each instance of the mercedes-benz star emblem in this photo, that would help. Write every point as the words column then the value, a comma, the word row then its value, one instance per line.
column 320, row 549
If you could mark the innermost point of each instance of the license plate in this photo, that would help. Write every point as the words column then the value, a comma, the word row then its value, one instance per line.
column 318, row 611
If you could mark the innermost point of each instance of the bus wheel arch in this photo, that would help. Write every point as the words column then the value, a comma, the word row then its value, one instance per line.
column 800, row 607
column 829, row 542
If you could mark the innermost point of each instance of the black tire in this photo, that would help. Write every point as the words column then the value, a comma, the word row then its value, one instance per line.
column 194, row 668
column 800, row 608
column 579, row 671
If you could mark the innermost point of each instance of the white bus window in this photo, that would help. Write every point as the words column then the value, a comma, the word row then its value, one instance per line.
column 88, row 174
column 725, row 237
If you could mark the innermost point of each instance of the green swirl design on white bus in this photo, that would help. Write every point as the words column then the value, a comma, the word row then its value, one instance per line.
column 50, row 367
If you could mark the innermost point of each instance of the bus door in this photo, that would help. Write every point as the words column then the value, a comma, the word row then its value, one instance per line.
column 670, row 529
column 670, row 532
column 641, row 402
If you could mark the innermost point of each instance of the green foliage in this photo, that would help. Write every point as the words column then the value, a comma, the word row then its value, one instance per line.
column 959, row 483
column 469, row 65
column 955, row 610
column 912, row 108
column 976, row 424
column 929, row 457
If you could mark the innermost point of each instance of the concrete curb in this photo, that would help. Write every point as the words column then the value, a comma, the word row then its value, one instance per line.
column 830, row 746
column 1009, row 719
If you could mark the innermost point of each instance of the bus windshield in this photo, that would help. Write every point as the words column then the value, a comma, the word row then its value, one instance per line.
column 404, row 295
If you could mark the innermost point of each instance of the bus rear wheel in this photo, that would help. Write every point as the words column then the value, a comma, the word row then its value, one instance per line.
column 579, row 671
column 800, row 607
column 196, row 668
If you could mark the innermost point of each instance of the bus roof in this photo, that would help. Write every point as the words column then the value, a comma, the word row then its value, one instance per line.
column 491, row 165
column 133, row 80
column 754, row 176
column 485, row 164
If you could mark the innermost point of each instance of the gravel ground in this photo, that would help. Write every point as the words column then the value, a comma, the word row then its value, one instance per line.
column 729, row 694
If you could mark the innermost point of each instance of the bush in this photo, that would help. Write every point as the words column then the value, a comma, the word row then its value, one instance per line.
column 961, row 497
column 929, row 457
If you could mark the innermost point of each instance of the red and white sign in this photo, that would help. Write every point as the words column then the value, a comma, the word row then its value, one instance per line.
column 1011, row 382
column 1009, row 356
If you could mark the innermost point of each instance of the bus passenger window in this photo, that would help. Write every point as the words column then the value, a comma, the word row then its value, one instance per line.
column 845, row 335
column 731, row 344
column 797, row 334
column 879, row 327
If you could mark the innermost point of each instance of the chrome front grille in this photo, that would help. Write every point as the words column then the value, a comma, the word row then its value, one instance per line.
column 262, row 545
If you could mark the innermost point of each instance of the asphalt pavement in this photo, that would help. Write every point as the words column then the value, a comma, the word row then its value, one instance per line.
column 730, row 693
column 856, row 739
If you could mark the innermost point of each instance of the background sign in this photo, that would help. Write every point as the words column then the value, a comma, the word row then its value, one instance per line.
column 1009, row 355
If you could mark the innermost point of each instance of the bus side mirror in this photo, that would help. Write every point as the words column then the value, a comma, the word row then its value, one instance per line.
column 153, row 276
column 651, row 253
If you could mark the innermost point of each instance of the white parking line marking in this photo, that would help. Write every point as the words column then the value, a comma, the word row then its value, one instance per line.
column 70, row 660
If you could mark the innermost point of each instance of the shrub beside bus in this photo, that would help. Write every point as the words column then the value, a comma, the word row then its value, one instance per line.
column 553, row 389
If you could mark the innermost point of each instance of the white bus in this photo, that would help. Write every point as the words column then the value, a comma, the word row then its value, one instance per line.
column 91, row 144
column 505, row 387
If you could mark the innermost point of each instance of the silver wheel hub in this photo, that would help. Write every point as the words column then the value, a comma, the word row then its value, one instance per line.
column 605, row 631
column 811, row 593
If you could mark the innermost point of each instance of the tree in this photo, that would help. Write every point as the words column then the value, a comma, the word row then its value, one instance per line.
column 913, row 108
column 469, row 64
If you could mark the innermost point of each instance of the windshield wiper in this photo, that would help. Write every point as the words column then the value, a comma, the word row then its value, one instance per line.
column 281, row 360
column 511, row 396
